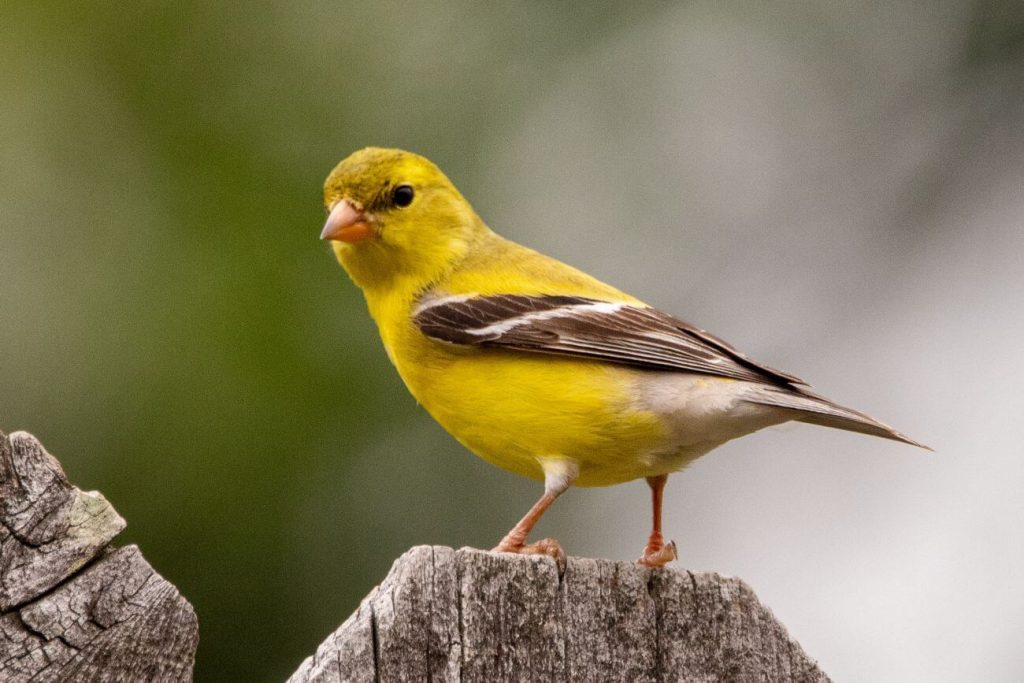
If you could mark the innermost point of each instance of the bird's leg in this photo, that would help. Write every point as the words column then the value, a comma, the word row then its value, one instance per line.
column 657, row 553
column 515, row 540
column 558, row 476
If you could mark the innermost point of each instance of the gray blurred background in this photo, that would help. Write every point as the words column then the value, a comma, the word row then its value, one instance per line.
column 836, row 188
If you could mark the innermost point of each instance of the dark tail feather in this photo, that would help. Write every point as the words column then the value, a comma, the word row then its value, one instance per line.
column 814, row 409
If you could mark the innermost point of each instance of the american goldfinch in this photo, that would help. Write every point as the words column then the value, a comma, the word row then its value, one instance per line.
column 538, row 367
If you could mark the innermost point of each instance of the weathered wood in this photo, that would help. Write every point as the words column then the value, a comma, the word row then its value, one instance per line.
column 72, row 608
column 470, row 615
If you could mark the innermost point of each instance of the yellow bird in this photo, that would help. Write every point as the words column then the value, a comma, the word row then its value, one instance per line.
column 538, row 367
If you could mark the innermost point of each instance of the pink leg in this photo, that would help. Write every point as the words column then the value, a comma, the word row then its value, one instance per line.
column 515, row 540
column 657, row 553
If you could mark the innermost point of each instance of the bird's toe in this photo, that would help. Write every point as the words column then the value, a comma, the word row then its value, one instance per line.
column 547, row 546
column 659, row 556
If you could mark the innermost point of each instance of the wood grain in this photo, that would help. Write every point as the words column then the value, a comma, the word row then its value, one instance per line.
column 469, row 615
column 73, row 608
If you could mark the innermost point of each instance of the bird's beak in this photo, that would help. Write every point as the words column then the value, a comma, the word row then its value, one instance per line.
column 346, row 223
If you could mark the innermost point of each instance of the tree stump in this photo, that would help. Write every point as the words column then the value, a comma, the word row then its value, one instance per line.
column 470, row 615
column 72, row 607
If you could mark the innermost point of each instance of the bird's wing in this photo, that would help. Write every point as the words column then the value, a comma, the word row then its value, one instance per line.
column 616, row 332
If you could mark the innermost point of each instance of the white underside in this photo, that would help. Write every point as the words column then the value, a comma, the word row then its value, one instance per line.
column 703, row 412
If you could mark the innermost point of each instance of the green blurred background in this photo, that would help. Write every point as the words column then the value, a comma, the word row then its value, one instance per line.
column 812, row 182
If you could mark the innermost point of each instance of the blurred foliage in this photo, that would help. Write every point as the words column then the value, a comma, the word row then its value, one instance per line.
column 176, row 334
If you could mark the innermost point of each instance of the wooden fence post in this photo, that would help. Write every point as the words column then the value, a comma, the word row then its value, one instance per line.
column 470, row 615
column 72, row 607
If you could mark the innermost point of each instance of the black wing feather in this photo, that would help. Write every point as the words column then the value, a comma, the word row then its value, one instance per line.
column 588, row 328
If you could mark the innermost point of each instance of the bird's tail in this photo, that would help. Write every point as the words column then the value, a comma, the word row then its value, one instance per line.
column 814, row 409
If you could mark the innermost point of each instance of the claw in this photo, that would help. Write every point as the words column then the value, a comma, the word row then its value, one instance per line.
column 654, row 556
column 546, row 546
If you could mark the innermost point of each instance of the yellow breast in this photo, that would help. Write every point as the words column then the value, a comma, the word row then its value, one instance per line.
column 511, row 408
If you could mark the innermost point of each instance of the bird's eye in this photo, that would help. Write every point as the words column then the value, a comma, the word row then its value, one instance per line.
column 402, row 196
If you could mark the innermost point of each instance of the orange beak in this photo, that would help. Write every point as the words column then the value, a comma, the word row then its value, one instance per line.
column 346, row 224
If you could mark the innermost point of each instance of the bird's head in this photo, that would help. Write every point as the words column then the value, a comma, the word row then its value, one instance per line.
column 393, row 215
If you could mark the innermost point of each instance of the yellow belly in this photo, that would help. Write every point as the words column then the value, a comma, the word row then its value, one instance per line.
column 511, row 408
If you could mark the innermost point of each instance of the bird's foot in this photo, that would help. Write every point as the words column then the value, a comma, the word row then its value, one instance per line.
column 658, row 555
column 546, row 546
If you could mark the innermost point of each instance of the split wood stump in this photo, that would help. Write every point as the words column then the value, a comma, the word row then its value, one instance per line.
column 72, row 607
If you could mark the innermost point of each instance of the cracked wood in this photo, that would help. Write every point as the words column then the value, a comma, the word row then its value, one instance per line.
column 73, row 608
column 469, row 615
